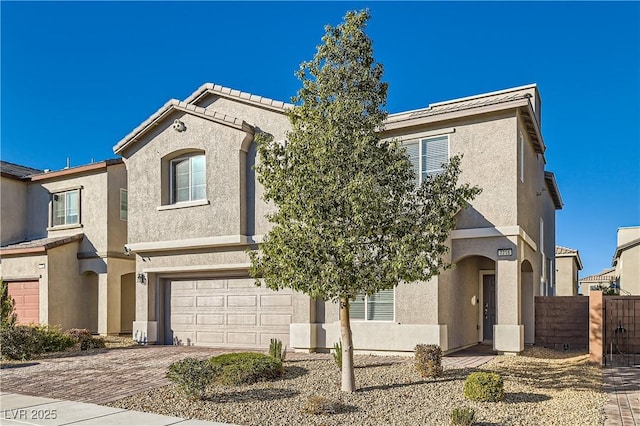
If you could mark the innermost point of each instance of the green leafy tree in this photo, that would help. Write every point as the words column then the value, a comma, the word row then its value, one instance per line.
column 8, row 317
column 350, row 219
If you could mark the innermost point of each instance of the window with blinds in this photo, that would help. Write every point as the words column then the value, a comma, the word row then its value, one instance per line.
column 378, row 307
column 428, row 155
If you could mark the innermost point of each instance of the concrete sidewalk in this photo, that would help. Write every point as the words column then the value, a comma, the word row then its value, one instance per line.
column 34, row 410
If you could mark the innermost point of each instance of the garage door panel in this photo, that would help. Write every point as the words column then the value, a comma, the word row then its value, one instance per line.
column 276, row 300
column 210, row 301
column 227, row 312
column 242, row 338
column 210, row 338
column 244, row 283
column 215, row 319
column 242, row 301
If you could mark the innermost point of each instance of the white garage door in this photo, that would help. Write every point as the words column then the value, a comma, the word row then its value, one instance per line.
column 226, row 312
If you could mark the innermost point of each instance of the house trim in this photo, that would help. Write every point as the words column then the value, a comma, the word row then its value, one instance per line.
column 195, row 243
column 500, row 231
column 197, row 268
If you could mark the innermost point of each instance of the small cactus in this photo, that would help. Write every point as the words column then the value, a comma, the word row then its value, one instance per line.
column 337, row 354
column 276, row 351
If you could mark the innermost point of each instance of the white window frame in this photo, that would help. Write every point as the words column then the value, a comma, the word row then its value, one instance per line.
column 54, row 200
column 172, row 177
column 366, row 309
column 124, row 196
column 421, row 143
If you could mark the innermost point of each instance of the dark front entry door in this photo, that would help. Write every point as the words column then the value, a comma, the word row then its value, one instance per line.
column 489, row 306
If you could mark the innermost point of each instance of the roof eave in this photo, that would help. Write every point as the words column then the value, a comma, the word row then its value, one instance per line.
column 552, row 186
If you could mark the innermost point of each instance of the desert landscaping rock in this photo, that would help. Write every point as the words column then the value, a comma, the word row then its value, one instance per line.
column 541, row 388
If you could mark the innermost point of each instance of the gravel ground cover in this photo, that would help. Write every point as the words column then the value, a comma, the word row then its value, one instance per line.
column 542, row 387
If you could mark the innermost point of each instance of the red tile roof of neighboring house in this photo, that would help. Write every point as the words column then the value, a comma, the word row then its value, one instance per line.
column 605, row 276
column 38, row 245
column 569, row 252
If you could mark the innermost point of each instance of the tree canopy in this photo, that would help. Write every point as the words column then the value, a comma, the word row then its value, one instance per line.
column 350, row 219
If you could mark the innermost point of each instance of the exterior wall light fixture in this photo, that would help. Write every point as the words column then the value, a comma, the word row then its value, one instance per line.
column 141, row 279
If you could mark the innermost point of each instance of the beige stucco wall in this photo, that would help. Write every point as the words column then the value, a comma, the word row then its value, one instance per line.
column 628, row 269
column 628, row 234
column 13, row 198
column 566, row 276
column 116, row 227
column 34, row 267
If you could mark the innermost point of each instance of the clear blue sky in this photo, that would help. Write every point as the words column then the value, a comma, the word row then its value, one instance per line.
column 77, row 77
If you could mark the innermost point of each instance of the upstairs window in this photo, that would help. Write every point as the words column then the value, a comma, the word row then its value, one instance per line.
column 124, row 204
column 188, row 180
column 428, row 155
column 66, row 208
column 377, row 307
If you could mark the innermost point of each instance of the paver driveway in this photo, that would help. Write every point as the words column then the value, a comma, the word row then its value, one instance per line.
column 101, row 376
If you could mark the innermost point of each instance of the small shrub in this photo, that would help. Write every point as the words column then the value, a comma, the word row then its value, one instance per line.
column 428, row 360
column 317, row 404
column 52, row 338
column 463, row 416
column 26, row 341
column 246, row 367
column 85, row 339
column 192, row 375
column 337, row 354
column 483, row 386
column 20, row 342
column 276, row 351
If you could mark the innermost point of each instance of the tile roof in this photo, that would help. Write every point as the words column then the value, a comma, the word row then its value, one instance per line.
column 184, row 106
column 40, row 244
column 227, row 92
column 552, row 187
column 565, row 250
column 17, row 170
column 569, row 252
column 607, row 275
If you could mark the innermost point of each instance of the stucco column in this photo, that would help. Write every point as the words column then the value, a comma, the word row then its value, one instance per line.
column 303, row 329
column 114, row 290
column 508, row 333
column 145, row 325
column 103, row 304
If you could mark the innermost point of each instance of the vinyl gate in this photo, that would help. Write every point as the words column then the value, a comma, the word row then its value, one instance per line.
column 621, row 331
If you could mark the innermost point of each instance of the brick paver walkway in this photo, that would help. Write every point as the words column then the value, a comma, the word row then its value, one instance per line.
column 623, row 386
column 103, row 376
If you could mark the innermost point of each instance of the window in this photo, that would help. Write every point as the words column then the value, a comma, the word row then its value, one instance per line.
column 378, row 307
column 66, row 208
column 428, row 155
column 188, row 179
column 124, row 204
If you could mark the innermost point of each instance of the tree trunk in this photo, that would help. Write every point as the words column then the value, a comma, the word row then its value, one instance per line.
column 348, row 374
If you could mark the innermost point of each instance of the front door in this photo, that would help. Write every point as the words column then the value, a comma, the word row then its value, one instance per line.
column 489, row 306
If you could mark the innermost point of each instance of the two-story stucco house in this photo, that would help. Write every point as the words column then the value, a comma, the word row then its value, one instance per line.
column 195, row 206
column 61, row 252
column 568, row 266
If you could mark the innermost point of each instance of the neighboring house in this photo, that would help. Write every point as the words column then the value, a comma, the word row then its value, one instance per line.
column 196, row 207
column 63, row 234
column 626, row 260
column 602, row 280
column 568, row 265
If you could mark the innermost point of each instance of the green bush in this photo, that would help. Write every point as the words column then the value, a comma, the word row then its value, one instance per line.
column 52, row 338
column 337, row 354
column 85, row 339
column 8, row 317
column 276, row 351
column 484, row 386
column 26, row 341
column 246, row 367
column 192, row 375
column 463, row 416
column 428, row 360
